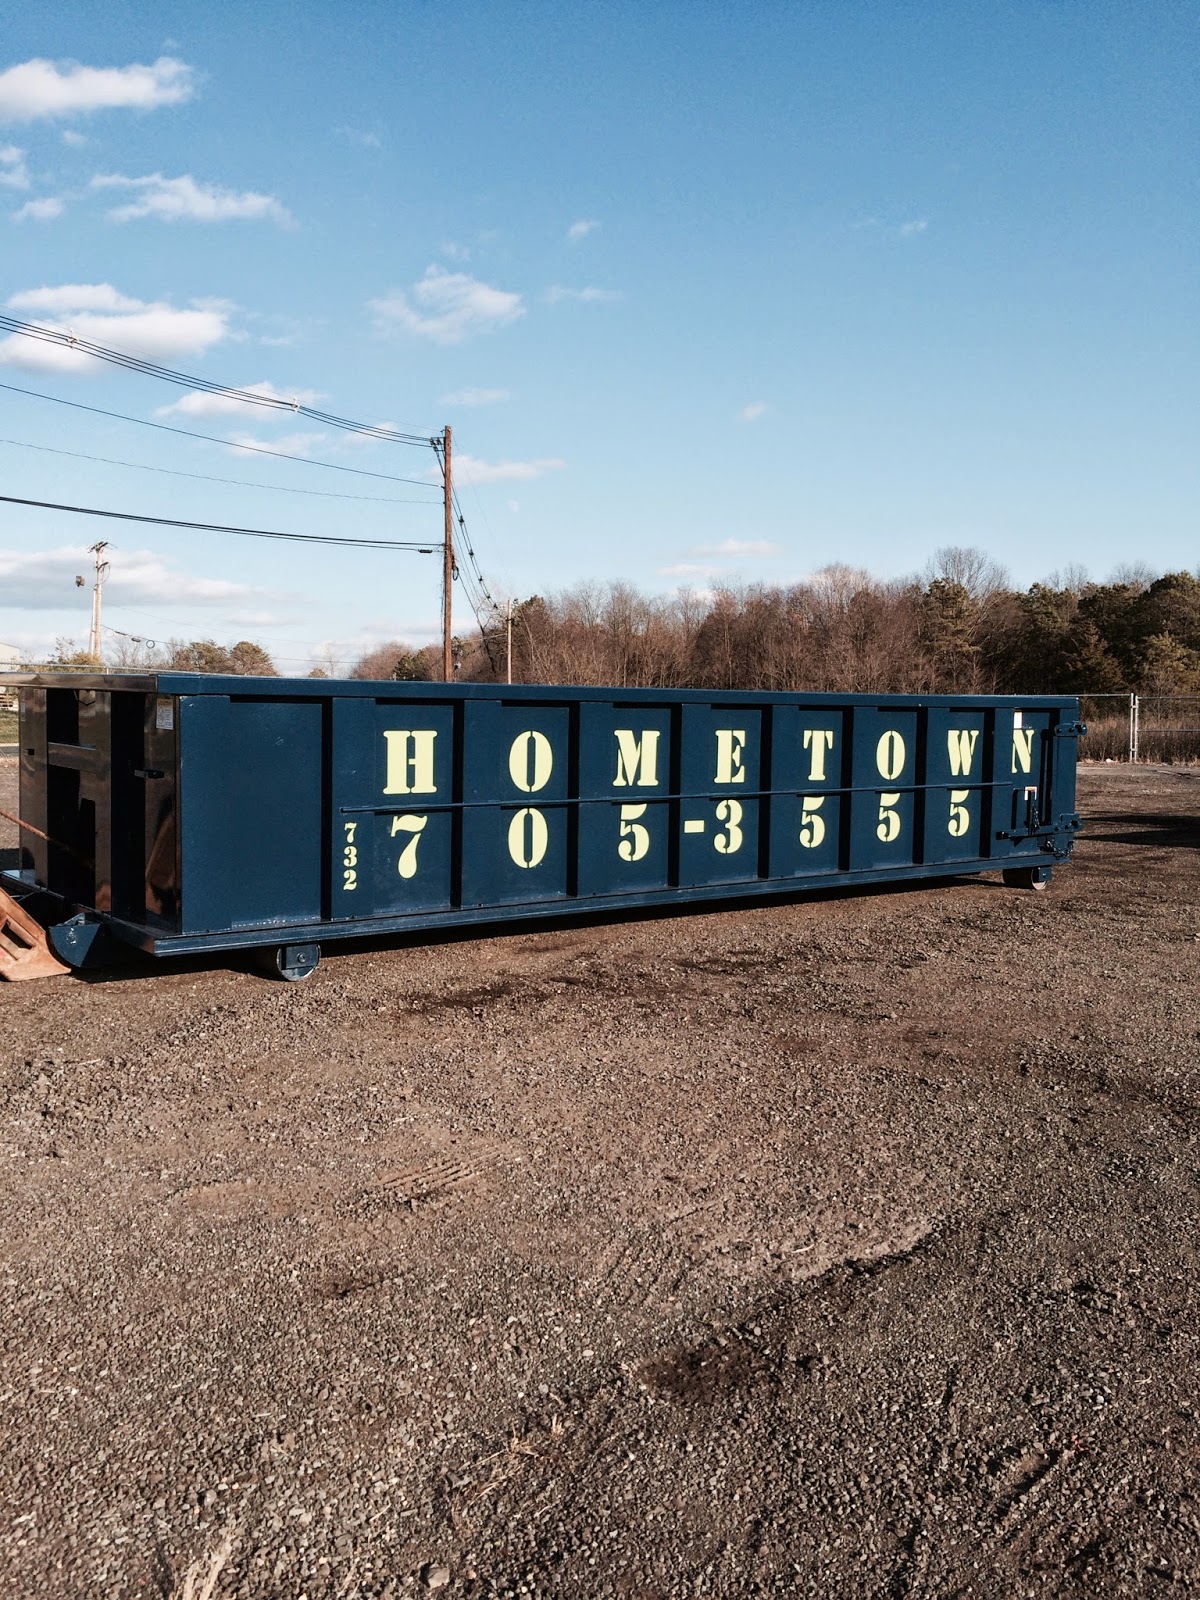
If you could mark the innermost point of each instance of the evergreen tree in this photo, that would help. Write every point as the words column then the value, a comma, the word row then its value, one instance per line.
column 1089, row 666
column 1169, row 667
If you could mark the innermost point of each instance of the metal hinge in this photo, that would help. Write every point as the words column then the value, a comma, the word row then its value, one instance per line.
column 1070, row 730
column 1067, row 822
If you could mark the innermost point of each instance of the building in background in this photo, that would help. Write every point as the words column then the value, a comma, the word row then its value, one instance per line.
column 10, row 658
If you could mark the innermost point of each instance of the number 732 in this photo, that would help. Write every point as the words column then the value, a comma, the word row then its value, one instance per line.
column 406, row 862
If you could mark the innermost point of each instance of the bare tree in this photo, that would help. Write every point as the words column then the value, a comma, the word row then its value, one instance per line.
column 395, row 661
column 127, row 654
column 973, row 569
column 1137, row 575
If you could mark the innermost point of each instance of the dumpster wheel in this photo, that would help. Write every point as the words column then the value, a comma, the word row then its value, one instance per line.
column 1026, row 877
column 290, row 962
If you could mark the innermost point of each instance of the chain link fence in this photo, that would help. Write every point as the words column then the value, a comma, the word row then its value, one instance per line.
column 1140, row 727
column 1110, row 722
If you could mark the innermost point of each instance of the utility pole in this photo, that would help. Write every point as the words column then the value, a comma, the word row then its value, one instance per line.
column 97, row 598
column 509, row 679
column 447, row 563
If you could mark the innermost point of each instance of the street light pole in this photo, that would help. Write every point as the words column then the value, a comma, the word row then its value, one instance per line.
column 97, row 599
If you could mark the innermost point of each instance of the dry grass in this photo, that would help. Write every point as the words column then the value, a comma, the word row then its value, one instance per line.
column 506, row 1465
column 1107, row 739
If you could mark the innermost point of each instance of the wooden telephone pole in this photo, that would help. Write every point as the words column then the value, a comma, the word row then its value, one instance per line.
column 447, row 564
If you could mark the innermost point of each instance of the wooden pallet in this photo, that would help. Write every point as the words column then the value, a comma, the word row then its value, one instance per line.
column 24, row 952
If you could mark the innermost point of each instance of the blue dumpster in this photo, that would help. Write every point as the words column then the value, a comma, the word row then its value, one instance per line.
column 179, row 813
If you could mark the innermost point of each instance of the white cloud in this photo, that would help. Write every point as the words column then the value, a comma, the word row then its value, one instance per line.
column 449, row 307
column 68, row 297
column 555, row 294
column 73, row 138
column 753, row 411
column 738, row 547
column 41, row 88
column 185, row 200
column 99, row 314
column 47, row 210
column 467, row 469
column 475, row 397
column 201, row 404
column 45, row 580
column 149, row 578
column 291, row 444
column 903, row 230
column 14, row 174
column 580, row 230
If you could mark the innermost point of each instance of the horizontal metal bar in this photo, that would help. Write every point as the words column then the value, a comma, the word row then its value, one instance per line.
column 636, row 796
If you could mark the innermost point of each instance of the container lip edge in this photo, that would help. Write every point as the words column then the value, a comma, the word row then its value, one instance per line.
column 200, row 683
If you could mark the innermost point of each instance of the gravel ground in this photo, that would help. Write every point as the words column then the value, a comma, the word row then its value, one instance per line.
column 837, row 1248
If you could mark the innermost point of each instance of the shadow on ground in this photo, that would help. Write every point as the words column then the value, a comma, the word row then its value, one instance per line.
column 1147, row 829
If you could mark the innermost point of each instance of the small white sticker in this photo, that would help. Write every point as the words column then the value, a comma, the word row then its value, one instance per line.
column 1017, row 715
column 164, row 716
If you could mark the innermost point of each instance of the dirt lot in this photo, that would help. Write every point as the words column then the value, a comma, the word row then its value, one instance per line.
column 840, row 1248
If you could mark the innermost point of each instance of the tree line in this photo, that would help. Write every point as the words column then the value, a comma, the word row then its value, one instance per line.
column 960, row 627
column 243, row 659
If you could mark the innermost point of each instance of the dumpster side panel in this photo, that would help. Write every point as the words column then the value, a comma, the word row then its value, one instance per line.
column 34, row 851
column 490, row 802
column 251, row 782
column 315, row 811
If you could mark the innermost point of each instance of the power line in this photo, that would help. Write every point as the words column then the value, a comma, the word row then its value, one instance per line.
column 190, row 433
column 134, row 638
column 208, row 477
column 471, row 557
column 151, row 369
column 457, row 510
column 470, row 574
column 471, row 590
column 482, row 510
column 217, row 527
column 68, row 340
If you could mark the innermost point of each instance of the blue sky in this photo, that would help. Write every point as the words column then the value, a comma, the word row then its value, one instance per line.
column 705, row 291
